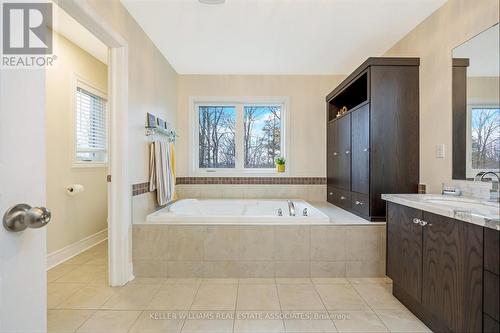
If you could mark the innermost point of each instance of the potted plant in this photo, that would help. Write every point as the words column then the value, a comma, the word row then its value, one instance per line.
column 280, row 164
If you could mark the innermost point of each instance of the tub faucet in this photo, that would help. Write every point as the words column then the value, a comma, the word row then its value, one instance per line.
column 495, row 188
column 291, row 207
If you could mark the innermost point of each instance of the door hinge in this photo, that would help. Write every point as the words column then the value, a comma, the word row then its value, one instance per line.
column 108, row 178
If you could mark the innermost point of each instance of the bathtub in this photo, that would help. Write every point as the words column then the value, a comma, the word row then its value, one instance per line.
column 237, row 212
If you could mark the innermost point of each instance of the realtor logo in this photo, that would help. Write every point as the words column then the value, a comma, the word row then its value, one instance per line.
column 26, row 28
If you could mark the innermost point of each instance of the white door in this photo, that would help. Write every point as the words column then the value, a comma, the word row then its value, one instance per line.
column 22, row 180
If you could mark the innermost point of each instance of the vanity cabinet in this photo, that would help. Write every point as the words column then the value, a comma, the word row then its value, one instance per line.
column 439, row 268
column 373, row 148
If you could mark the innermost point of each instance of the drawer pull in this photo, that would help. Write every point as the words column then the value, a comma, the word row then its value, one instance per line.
column 421, row 222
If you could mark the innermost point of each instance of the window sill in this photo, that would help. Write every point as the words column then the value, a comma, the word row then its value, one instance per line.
column 253, row 173
column 83, row 165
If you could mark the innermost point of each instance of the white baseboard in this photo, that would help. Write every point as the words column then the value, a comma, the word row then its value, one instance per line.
column 59, row 256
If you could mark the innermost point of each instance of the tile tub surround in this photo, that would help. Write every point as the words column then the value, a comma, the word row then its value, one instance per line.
column 252, row 191
column 488, row 218
column 246, row 251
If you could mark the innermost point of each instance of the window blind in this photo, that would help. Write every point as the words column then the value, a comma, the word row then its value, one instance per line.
column 91, row 145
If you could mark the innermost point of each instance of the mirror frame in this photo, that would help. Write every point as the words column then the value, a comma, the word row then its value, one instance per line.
column 459, row 113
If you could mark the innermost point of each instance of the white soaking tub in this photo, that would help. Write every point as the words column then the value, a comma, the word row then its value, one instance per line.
column 237, row 212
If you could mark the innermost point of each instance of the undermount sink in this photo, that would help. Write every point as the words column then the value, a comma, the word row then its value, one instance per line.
column 466, row 204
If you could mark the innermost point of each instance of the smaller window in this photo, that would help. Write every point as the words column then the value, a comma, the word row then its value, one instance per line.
column 90, row 127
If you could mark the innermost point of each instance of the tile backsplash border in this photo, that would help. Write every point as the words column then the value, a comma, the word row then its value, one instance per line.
column 141, row 188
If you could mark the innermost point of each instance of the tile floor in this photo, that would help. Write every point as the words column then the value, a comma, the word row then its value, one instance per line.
column 79, row 300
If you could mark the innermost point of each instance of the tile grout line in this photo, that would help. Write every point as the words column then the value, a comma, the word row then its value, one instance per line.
column 369, row 305
column 79, row 326
column 326, row 308
column 192, row 302
column 279, row 301
column 236, row 304
column 135, row 321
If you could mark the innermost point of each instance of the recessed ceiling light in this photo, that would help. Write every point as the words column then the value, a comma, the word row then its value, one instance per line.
column 212, row 2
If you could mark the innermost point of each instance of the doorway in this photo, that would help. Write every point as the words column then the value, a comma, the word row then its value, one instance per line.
column 77, row 154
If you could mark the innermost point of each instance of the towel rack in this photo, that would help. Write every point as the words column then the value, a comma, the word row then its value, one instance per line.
column 170, row 134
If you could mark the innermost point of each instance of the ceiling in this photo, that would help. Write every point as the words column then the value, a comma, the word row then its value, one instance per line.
column 483, row 52
column 276, row 36
column 68, row 27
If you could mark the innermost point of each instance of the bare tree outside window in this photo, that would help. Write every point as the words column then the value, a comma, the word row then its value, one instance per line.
column 217, row 125
column 262, row 136
column 485, row 132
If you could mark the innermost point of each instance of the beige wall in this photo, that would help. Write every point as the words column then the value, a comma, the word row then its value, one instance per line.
column 152, row 83
column 74, row 218
column 307, row 128
column 433, row 40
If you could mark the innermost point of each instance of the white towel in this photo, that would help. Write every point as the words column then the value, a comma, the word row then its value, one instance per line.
column 160, row 172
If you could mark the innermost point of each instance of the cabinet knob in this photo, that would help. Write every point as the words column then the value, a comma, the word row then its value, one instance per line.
column 347, row 152
column 366, row 149
column 335, row 154
column 331, row 193
column 423, row 223
column 358, row 202
column 342, row 198
column 416, row 221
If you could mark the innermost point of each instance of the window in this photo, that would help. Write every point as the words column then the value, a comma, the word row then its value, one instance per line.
column 238, row 137
column 90, row 126
column 483, row 139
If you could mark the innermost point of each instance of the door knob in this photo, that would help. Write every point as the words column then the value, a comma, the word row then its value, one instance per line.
column 22, row 216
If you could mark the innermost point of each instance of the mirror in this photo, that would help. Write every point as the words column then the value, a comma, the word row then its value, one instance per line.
column 476, row 105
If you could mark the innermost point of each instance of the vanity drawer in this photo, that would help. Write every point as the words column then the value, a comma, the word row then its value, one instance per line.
column 360, row 203
column 491, row 295
column 492, row 250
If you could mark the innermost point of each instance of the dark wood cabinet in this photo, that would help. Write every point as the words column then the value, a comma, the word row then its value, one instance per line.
column 344, row 153
column 438, row 266
column 360, row 146
column 373, row 148
column 453, row 273
column 404, row 251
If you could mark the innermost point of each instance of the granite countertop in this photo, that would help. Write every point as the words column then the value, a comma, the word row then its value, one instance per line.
column 467, row 209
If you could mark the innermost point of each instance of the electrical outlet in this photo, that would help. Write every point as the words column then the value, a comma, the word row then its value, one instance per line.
column 440, row 150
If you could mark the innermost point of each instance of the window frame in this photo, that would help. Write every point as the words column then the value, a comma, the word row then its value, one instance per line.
column 79, row 82
column 471, row 173
column 239, row 103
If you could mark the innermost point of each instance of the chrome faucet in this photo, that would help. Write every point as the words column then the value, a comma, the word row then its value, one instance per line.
column 495, row 188
column 291, row 207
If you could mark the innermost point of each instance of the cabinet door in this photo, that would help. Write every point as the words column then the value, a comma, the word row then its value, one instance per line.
column 332, row 153
column 453, row 272
column 360, row 134
column 404, row 249
column 344, row 145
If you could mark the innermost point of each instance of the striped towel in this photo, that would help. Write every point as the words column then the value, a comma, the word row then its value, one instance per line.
column 161, row 176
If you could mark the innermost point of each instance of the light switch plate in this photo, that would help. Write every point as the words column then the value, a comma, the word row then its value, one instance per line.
column 440, row 150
